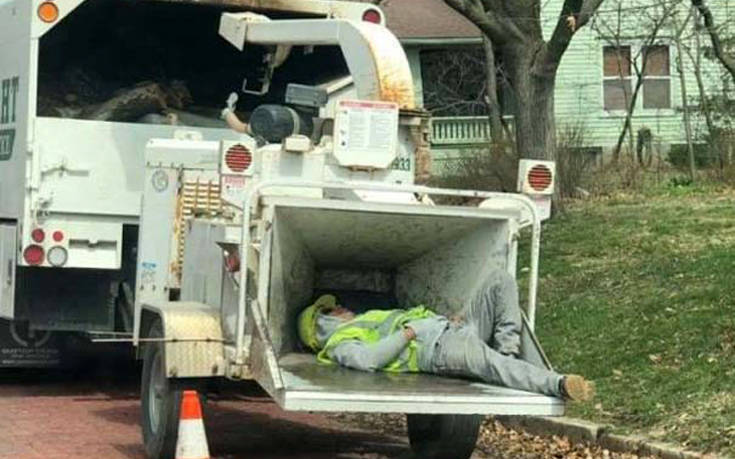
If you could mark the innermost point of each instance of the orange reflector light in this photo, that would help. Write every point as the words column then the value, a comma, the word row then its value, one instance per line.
column 48, row 12
column 33, row 255
column 238, row 158
column 373, row 16
column 539, row 177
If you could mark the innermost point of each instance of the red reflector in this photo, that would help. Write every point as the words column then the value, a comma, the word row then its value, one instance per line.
column 58, row 236
column 232, row 262
column 539, row 177
column 38, row 235
column 33, row 255
column 373, row 16
column 238, row 158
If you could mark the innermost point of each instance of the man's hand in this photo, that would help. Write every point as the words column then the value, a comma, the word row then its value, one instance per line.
column 409, row 333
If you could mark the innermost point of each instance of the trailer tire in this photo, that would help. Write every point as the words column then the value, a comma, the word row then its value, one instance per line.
column 443, row 436
column 160, row 400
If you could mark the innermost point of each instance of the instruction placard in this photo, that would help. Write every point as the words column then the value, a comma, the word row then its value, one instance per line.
column 366, row 133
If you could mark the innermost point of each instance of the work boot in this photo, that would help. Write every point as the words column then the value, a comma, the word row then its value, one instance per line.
column 576, row 388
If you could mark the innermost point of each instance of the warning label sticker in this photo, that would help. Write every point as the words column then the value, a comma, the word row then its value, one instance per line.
column 366, row 133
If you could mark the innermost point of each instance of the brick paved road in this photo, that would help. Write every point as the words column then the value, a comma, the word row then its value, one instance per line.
column 95, row 415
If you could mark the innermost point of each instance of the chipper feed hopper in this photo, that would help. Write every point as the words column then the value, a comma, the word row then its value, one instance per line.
column 238, row 236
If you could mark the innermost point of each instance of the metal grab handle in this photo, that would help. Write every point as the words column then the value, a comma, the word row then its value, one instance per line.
column 252, row 196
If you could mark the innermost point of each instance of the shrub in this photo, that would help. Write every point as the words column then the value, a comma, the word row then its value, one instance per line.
column 704, row 156
column 574, row 158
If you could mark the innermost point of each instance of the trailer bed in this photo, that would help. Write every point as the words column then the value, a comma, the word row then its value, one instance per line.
column 310, row 386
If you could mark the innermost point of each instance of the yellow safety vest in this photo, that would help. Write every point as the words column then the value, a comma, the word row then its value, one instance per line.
column 364, row 328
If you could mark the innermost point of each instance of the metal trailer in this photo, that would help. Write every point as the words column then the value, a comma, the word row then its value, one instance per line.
column 274, row 225
column 70, row 189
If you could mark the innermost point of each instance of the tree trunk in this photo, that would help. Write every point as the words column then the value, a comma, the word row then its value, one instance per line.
column 704, row 104
column 534, row 110
column 493, row 106
column 685, row 106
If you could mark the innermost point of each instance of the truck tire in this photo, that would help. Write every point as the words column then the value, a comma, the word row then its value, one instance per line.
column 443, row 436
column 160, row 400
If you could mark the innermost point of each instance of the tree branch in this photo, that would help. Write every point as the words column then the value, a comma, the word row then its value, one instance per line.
column 574, row 14
column 588, row 10
column 491, row 98
column 709, row 22
column 488, row 22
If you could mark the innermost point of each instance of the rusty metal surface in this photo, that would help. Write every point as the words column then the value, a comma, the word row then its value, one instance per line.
column 394, row 73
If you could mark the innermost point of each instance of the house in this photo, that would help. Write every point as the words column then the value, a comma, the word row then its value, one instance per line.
column 425, row 26
column 597, row 73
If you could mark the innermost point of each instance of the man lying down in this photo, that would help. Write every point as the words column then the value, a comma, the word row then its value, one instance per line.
column 484, row 343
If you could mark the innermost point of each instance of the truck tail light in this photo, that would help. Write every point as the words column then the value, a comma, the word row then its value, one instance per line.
column 58, row 236
column 48, row 12
column 540, row 177
column 373, row 16
column 57, row 256
column 33, row 255
column 38, row 235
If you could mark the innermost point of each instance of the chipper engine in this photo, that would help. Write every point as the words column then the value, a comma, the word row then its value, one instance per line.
column 316, row 195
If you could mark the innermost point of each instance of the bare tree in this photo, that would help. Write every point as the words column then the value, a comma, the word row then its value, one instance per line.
column 455, row 83
column 530, row 62
column 616, row 33
column 726, row 59
column 684, row 98
column 494, row 110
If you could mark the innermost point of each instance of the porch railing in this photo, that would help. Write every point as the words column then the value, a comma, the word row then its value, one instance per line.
column 460, row 130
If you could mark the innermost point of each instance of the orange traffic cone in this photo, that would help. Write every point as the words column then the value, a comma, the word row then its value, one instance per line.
column 192, row 440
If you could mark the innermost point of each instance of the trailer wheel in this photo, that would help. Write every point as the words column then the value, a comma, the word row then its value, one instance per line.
column 160, row 400
column 443, row 436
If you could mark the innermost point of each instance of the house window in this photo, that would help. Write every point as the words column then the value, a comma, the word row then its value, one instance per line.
column 657, row 78
column 617, row 78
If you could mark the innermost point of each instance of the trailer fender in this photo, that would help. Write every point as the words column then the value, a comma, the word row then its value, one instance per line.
column 194, row 346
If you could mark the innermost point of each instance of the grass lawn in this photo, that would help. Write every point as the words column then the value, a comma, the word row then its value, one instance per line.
column 637, row 292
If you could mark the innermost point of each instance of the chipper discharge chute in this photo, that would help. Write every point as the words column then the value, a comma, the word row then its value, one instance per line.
column 238, row 237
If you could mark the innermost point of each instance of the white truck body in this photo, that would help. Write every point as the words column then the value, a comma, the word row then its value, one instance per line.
column 79, row 178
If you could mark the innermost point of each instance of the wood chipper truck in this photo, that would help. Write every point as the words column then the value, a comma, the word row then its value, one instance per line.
column 230, row 233
column 84, row 84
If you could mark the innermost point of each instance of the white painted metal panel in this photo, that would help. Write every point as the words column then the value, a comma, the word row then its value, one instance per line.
column 8, row 238
column 17, row 102
column 313, row 387
column 94, row 167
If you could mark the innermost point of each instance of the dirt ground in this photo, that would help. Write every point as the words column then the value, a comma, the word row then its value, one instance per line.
column 94, row 414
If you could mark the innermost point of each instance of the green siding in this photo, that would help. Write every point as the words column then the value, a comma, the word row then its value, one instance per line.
column 578, row 95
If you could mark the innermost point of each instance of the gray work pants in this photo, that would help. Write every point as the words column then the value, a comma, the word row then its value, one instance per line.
column 492, row 318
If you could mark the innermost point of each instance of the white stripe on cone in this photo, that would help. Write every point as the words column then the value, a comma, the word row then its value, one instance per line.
column 192, row 441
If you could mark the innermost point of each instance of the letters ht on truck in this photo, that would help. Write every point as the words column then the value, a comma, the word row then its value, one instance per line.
column 70, row 186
